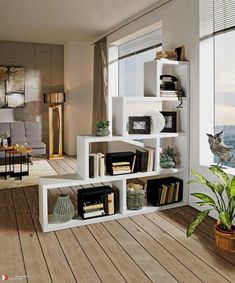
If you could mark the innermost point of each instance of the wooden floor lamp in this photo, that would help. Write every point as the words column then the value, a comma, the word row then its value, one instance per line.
column 55, row 101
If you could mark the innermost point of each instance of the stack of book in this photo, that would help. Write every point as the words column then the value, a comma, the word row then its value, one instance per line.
column 123, row 167
column 168, row 193
column 169, row 93
column 172, row 55
column 96, row 165
column 93, row 208
column 145, row 159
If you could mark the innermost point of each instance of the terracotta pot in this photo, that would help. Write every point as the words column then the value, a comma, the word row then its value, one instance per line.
column 224, row 240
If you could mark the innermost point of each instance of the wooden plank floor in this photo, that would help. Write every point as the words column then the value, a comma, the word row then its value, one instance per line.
column 145, row 248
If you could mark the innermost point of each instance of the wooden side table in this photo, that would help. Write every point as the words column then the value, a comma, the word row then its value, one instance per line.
column 6, row 172
column 23, row 152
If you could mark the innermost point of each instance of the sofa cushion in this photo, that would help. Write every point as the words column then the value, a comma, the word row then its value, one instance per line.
column 18, row 132
column 32, row 131
column 36, row 144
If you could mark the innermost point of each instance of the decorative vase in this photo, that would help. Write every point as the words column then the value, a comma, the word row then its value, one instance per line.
column 104, row 131
column 63, row 209
column 167, row 163
column 224, row 240
column 4, row 142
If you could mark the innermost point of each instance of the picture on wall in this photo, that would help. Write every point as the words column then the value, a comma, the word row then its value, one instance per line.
column 12, row 87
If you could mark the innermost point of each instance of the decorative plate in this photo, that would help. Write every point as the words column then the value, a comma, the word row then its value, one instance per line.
column 157, row 121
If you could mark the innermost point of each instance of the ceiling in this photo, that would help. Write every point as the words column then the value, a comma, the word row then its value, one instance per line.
column 59, row 21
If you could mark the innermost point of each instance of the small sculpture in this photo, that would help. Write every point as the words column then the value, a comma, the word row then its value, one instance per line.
column 220, row 149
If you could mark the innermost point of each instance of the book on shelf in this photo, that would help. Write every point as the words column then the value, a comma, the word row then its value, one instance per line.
column 145, row 159
column 90, row 205
column 110, row 206
column 96, row 165
column 169, row 93
column 168, row 193
column 166, row 54
column 90, row 214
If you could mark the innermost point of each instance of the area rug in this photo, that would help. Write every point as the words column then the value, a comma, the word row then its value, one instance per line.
column 39, row 168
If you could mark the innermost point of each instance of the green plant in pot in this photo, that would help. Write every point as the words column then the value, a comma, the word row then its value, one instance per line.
column 102, row 128
column 223, row 203
column 168, row 157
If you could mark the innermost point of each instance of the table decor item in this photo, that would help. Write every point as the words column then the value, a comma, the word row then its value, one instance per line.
column 102, row 128
column 157, row 121
column 63, row 209
column 139, row 125
column 168, row 157
column 135, row 195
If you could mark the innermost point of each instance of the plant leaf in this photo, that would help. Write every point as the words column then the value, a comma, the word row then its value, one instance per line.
column 231, row 188
column 200, row 178
column 219, row 173
column 219, row 188
column 204, row 197
column 225, row 220
column 196, row 221
column 201, row 203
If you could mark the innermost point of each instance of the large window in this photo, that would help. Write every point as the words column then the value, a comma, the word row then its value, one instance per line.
column 217, row 32
column 225, row 88
column 132, row 56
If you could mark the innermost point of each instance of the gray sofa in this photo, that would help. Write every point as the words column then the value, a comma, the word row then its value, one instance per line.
column 23, row 133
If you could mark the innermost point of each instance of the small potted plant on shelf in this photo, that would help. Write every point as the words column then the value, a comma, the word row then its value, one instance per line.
column 168, row 157
column 223, row 203
column 102, row 128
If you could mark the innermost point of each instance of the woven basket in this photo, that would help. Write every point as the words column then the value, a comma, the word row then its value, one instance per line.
column 136, row 197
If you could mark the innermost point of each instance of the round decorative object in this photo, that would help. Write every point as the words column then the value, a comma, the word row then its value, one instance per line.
column 102, row 132
column 157, row 121
column 63, row 209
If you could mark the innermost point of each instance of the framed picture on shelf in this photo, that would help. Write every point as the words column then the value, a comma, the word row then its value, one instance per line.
column 140, row 125
column 170, row 122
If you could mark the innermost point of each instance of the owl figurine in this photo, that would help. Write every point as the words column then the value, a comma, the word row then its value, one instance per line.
column 220, row 149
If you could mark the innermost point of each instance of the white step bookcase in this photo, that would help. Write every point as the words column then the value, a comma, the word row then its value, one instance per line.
column 122, row 107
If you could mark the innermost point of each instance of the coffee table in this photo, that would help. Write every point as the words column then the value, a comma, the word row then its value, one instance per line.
column 22, row 152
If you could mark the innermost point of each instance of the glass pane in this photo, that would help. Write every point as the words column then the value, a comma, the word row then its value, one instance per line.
column 225, row 89
column 131, row 73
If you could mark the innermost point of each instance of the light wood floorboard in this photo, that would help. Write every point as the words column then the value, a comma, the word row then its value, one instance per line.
column 141, row 249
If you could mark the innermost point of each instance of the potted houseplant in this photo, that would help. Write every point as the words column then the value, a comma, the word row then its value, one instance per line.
column 102, row 128
column 168, row 157
column 223, row 203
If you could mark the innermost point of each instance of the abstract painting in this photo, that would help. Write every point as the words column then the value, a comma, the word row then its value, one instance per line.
column 12, row 87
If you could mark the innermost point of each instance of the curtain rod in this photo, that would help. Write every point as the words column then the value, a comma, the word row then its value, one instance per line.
column 137, row 18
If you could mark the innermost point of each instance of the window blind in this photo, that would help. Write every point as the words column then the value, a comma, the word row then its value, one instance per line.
column 216, row 16
column 140, row 44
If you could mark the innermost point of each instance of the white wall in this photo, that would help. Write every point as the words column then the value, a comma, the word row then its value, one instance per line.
column 78, row 76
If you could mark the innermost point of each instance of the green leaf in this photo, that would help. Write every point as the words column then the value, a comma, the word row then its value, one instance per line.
column 201, row 203
column 204, row 197
column 219, row 173
column 231, row 188
column 200, row 178
column 196, row 221
column 225, row 220
column 219, row 188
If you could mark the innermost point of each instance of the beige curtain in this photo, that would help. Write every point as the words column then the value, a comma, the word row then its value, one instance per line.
column 100, row 88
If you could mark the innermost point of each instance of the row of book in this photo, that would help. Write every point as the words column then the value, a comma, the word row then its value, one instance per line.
column 96, row 165
column 168, row 193
column 104, row 205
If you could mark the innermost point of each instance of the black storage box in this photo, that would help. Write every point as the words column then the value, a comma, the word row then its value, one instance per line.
column 112, row 157
column 164, row 191
column 95, row 194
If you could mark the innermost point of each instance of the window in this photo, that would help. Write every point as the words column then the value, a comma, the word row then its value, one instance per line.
column 132, row 56
column 217, row 32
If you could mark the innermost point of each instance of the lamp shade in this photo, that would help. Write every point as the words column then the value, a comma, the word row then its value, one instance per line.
column 54, row 97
